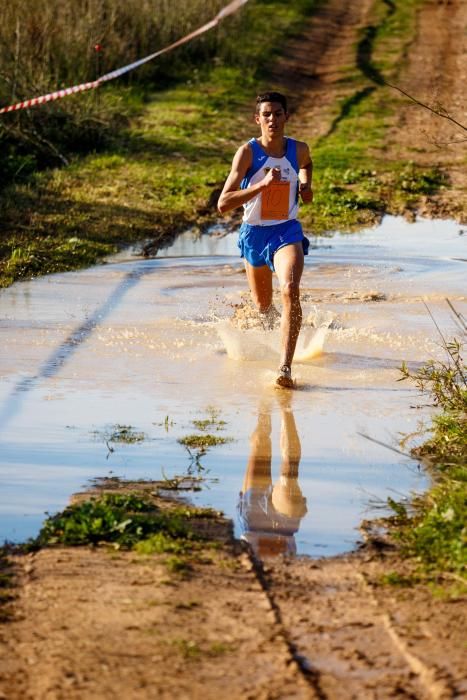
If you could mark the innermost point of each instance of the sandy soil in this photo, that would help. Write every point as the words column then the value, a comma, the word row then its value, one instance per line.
column 94, row 624
column 100, row 623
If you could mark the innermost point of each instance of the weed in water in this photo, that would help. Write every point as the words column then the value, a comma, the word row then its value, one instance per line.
column 212, row 421
column 204, row 441
column 184, row 482
column 124, row 434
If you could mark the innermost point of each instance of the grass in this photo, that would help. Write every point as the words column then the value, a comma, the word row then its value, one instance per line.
column 154, row 175
column 130, row 521
column 124, row 434
column 212, row 421
column 159, row 170
column 192, row 650
column 124, row 521
column 432, row 531
column 355, row 182
column 30, row 258
column 203, row 442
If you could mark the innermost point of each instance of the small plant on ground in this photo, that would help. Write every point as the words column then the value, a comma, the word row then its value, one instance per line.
column 121, row 520
column 204, row 441
column 212, row 421
column 201, row 442
column 130, row 521
column 434, row 529
column 124, row 434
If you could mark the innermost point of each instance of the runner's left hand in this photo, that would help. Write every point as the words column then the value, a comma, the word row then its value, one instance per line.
column 306, row 193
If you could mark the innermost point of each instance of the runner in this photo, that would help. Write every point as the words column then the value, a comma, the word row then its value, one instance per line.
column 268, row 174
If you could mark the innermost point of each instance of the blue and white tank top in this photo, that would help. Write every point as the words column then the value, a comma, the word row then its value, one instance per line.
column 288, row 166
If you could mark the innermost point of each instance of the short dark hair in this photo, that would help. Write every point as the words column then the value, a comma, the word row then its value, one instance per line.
column 271, row 97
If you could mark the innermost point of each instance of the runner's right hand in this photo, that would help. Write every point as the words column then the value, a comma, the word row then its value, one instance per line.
column 273, row 175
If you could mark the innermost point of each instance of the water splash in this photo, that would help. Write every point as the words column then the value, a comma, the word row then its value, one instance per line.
column 245, row 344
column 253, row 343
column 310, row 344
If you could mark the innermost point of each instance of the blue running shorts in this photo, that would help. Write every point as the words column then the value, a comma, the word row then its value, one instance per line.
column 258, row 244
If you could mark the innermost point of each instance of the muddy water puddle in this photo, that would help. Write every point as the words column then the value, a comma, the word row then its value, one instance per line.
column 103, row 371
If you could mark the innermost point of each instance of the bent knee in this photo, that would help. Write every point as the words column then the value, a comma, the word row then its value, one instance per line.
column 291, row 291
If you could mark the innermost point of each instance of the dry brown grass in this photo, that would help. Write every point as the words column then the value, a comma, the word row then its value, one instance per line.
column 49, row 43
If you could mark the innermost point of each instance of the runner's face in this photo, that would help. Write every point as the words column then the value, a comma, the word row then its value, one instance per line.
column 271, row 118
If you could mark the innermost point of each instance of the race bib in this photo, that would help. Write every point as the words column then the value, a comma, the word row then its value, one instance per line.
column 275, row 201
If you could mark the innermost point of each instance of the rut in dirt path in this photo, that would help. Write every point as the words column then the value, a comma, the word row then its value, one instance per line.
column 310, row 70
column 347, row 633
column 433, row 69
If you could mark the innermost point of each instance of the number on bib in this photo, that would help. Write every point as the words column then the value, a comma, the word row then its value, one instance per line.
column 275, row 201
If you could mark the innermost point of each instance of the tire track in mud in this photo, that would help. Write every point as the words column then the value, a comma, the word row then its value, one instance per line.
column 432, row 68
column 309, row 673
column 310, row 69
column 347, row 641
column 364, row 62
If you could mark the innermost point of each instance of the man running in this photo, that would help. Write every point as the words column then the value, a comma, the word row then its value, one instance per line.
column 268, row 174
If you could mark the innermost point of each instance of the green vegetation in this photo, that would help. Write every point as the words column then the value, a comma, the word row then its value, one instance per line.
column 130, row 521
column 203, row 442
column 433, row 530
column 160, row 543
column 154, row 158
column 145, row 165
column 122, row 520
column 213, row 420
column 46, row 45
column 192, row 650
column 125, row 434
column 355, row 182
column 32, row 258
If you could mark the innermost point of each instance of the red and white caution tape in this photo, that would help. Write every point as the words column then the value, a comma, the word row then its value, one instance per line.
column 58, row 94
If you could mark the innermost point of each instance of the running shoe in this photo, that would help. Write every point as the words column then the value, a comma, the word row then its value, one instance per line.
column 284, row 377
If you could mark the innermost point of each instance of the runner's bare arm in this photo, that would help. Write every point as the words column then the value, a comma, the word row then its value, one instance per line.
column 232, row 196
column 305, row 174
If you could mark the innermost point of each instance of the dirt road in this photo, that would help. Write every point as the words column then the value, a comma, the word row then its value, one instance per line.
column 100, row 623
column 103, row 624
column 434, row 72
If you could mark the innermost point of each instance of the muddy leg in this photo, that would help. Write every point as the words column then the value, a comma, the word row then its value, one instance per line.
column 289, row 262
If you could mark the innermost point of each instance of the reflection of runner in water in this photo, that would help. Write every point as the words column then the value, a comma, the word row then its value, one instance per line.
column 270, row 515
column 269, row 174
